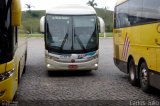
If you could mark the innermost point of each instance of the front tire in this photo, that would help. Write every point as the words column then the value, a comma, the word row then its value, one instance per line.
column 19, row 73
column 144, row 77
column 88, row 71
column 132, row 73
column 24, row 69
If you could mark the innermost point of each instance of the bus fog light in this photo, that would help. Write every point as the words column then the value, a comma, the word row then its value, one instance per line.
column 48, row 65
column 96, row 65
column 2, row 93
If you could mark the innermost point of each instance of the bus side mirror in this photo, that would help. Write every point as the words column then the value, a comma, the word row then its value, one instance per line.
column 16, row 13
column 101, row 25
column 42, row 21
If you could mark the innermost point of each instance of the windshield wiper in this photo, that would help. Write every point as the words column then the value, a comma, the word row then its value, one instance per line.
column 80, row 42
column 64, row 41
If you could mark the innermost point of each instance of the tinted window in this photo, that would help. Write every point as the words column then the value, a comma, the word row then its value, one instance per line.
column 151, row 10
column 135, row 11
column 58, row 30
column 71, row 33
column 5, row 31
column 85, row 36
column 122, row 15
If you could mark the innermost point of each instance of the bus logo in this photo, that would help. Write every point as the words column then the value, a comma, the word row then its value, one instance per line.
column 73, row 61
column 125, row 47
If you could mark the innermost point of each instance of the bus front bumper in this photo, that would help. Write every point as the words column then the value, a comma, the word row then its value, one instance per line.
column 52, row 65
column 7, row 87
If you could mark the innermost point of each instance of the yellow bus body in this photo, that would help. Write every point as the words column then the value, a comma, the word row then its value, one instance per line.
column 8, row 86
column 141, row 43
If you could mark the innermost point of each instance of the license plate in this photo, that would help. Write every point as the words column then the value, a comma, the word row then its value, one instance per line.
column 72, row 66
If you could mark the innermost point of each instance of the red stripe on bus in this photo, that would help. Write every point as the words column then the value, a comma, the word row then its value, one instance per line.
column 127, row 46
column 125, row 50
column 124, row 47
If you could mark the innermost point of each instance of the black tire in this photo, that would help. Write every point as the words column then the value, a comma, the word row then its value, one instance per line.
column 144, row 77
column 24, row 69
column 15, row 96
column 88, row 71
column 132, row 73
column 19, row 73
column 50, row 73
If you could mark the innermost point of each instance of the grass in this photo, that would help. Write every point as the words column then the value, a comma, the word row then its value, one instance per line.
column 41, row 35
column 36, row 35
column 106, row 35
column 32, row 35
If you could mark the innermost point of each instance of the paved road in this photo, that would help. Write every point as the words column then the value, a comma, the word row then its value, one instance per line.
column 105, row 86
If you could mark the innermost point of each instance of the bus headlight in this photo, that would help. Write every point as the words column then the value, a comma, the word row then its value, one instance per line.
column 96, row 65
column 48, row 65
column 93, row 57
column 51, row 57
column 6, row 75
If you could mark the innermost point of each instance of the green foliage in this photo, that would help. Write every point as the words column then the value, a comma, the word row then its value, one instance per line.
column 106, row 35
column 107, row 16
column 31, row 20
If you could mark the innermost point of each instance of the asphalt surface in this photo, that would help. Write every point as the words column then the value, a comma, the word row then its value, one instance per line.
column 105, row 86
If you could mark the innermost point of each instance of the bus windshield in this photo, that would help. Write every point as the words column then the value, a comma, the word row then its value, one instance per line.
column 2, row 26
column 71, row 33
column 5, row 31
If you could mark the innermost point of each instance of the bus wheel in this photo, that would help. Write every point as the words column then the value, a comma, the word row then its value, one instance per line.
column 132, row 73
column 19, row 73
column 144, row 77
column 24, row 69
column 88, row 71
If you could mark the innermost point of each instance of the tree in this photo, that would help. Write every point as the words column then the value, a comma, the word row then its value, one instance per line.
column 29, row 7
column 31, row 25
column 92, row 3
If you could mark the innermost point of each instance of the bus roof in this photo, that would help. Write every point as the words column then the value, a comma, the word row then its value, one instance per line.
column 72, row 9
column 120, row 1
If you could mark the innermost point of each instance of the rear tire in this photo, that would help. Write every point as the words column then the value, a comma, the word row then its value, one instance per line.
column 132, row 73
column 144, row 77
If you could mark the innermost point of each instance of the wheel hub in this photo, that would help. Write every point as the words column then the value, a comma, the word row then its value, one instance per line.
column 144, row 76
column 132, row 74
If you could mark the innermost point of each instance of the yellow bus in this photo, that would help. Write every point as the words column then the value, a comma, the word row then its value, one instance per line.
column 13, row 49
column 137, row 41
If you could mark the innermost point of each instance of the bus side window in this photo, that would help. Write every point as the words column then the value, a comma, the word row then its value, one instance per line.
column 151, row 10
column 135, row 11
column 122, row 15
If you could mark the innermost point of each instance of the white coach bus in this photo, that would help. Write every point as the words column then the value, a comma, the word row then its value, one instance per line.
column 71, row 37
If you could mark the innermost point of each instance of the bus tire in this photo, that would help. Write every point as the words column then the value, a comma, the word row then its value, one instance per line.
column 88, row 71
column 132, row 73
column 24, row 69
column 19, row 73
column 49, row 72
column 144, row 77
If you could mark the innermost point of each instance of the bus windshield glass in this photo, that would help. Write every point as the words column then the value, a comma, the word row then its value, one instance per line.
column 71, row 33
column 2, row 25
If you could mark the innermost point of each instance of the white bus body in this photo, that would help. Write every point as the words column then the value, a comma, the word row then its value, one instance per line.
column 71, row 37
